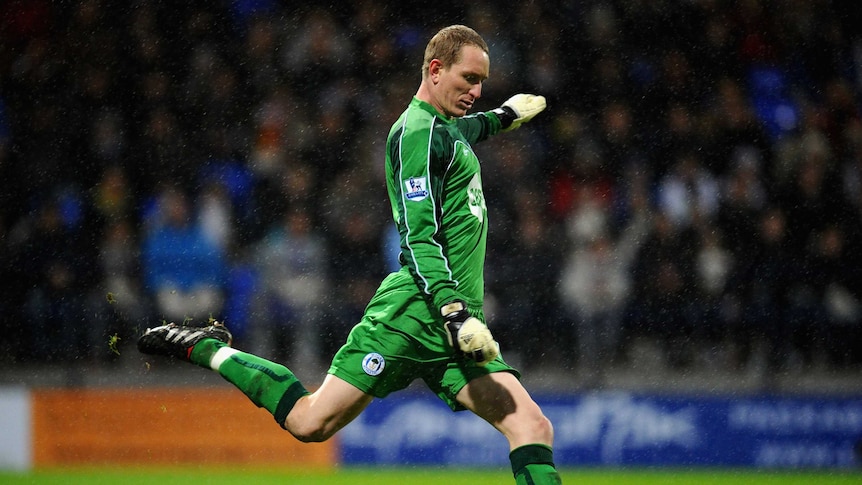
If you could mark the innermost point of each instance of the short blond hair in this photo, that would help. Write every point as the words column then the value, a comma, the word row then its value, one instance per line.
column 447, row 43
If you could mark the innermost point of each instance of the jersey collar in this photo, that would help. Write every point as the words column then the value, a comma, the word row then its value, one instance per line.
column 423, row 105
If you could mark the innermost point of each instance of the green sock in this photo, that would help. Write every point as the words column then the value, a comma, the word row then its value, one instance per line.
column 534, row 465
column 269, row 385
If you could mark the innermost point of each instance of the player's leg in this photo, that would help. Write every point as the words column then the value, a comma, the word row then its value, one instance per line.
column 309, row 417
column 500, row 399
column 319, row 415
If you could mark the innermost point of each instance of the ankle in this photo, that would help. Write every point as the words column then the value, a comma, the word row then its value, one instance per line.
column 202, row 353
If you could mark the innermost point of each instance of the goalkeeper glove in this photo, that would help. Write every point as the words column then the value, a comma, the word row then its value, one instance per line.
column 519, row 109
column 467, row 334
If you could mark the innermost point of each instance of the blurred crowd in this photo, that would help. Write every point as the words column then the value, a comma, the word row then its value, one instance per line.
column 696, row 181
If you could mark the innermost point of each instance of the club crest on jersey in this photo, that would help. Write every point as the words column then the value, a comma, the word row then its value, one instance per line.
column 373, row 364
column 415, row 189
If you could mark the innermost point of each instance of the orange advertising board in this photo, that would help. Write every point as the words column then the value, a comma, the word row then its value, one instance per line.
column 174, row 426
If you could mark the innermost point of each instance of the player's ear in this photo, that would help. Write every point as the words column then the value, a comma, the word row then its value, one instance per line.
column 434, row 68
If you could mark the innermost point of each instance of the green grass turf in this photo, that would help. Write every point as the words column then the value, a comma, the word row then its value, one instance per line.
column 418, row 476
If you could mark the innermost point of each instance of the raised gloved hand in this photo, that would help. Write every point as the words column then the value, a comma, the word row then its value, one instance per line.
column 467, row 334
column 520, row 109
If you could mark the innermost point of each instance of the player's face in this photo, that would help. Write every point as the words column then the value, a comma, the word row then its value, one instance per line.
column 460, row 85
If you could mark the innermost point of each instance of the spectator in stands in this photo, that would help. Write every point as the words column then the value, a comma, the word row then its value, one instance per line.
column 59, row 273
column 743, row 198
column 729, row 124
column 714, row 262
column 761, row 282
column 595, row 288
column 689, row 194
column 663, row 277
column 119, row 305
column 524, row 296
column 291, row 261
column 835, row 336
column 183, row 270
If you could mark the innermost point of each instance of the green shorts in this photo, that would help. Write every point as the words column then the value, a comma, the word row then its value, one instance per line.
column 400, row 339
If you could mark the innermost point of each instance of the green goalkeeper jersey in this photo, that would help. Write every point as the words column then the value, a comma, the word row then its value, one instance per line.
column 435, row 188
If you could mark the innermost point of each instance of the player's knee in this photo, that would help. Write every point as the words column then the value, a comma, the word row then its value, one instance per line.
column 544, row 429
column 311, row 432
column 535, row 428
column 312, row 437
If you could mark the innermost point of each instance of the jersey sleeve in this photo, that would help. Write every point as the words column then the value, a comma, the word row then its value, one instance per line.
column 479, row 126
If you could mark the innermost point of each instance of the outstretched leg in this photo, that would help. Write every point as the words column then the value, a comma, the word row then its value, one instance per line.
column 307, row 416
column 310, row 417
column 500, row 399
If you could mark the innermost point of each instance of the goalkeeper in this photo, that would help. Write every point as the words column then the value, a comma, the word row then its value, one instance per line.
column 425, row 321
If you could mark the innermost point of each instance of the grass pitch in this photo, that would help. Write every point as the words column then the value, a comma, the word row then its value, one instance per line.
column 418, row 476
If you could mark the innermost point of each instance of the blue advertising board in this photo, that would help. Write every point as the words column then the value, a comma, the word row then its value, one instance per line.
column 619, row 429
